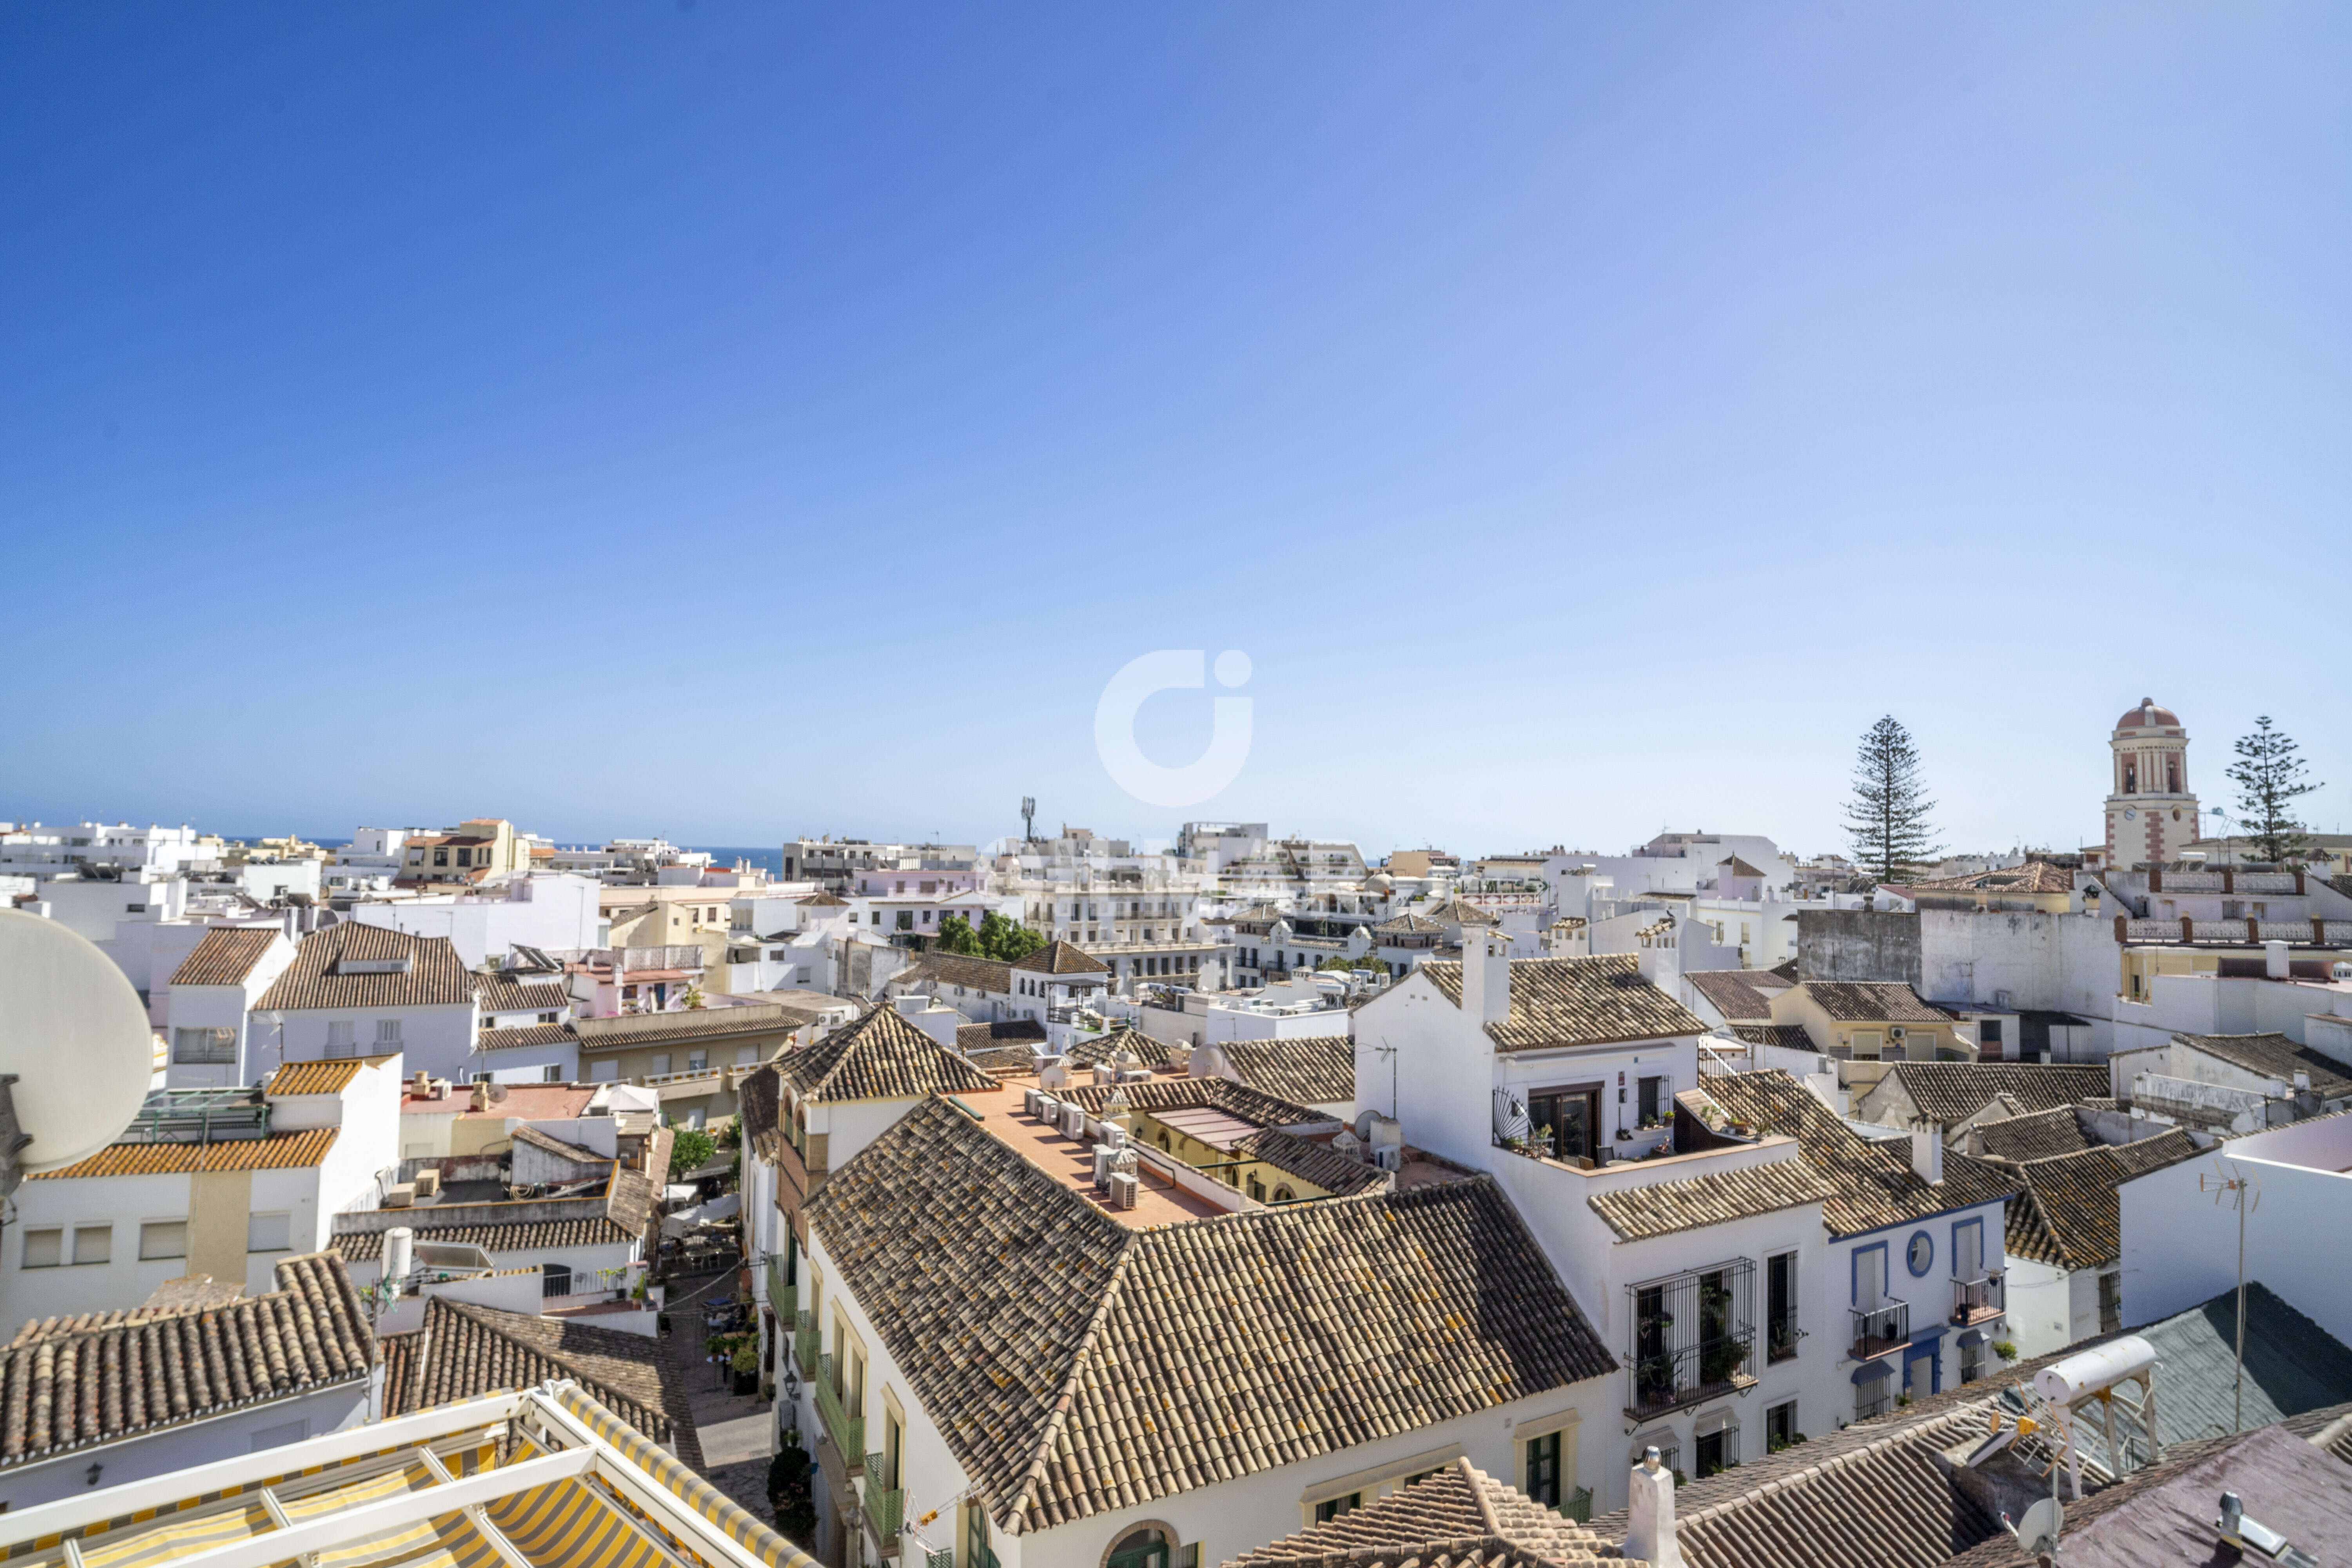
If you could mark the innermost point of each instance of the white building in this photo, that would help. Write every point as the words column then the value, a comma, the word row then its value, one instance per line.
column 218, row 1183
column 355, row 989
column 544, row 911
column 208, row 1007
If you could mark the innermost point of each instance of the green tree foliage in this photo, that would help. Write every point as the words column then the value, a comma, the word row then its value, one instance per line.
column 690, row 1149
column 1887, row 814
column 1377, row 965
column 2269, row 777
column 788, row 1496
column 998, row 937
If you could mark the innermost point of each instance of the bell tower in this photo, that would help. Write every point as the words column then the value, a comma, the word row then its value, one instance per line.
column 2151, row 813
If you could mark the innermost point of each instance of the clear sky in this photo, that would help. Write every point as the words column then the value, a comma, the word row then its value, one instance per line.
column 739, row 420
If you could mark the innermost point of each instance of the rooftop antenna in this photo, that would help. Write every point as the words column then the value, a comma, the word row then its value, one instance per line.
column 1028, row 817
column 2245, row 1189
column 77, row 1053
column 1389, row 1051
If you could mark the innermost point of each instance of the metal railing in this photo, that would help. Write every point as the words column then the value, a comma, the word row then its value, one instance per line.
column 1781, row 1335
column 783, row 1299
column 885, row 1504
column 1691, row 1336
column 198, row 1116
column 1979, row 1299
column 848, row 1432
column 1669, row 1379
column 585, row 1282
column 1877, row 1330
column 804, row 1344
column 1578, row 1506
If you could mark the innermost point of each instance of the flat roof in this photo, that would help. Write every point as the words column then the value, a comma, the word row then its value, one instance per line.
column 526, row 1101
column 1073, row 1163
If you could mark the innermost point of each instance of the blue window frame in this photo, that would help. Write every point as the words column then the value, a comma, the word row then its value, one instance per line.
column 1919, row 1254
column 1855, row 1283
column 1959, row 1251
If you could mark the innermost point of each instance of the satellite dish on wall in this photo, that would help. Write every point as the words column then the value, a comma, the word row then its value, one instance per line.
column 77, row 1053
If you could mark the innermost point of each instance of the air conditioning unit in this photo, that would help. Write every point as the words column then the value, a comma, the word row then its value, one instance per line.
column 1389, row 1157
column 1103, row 1155
column 1074, row 1121
column 428, row 1183
column 1029, row 1101
column 1123, row 1189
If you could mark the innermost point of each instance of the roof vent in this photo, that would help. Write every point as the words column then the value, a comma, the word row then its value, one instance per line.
column 2250, row 1536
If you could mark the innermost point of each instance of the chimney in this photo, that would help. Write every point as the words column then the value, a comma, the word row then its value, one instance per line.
column 2275, row 959
column 1486, row 977
column 1650, row 1520
column 480, row 1099
column 1927, row 1151
column 398, row 1244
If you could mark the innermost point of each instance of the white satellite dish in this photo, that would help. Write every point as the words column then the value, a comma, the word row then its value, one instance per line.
column 2039, row 1534
column 77, row 1053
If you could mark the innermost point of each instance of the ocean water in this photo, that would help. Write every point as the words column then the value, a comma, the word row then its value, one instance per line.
column 771, row 859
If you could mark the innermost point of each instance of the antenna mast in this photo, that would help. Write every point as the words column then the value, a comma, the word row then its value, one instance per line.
column 1028, row 817
column 2238, row 1187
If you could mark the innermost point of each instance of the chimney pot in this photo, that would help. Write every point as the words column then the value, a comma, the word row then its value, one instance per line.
column 1927, row 1151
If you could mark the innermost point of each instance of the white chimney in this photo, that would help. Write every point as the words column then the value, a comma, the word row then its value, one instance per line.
column 1486, row 977
column 1927, row 1151
column 2275, row 959
column 1650, row 1520
column 398, row 1248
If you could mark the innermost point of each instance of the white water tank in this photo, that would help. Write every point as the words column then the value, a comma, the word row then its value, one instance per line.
column 2103, row 1366
column 399, row 1245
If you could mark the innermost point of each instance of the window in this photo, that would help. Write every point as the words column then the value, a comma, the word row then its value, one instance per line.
column 2111, row 1303
column 1325, row 1512
column 1570, row 1115
column 205, row 1048
column 1866, row 1043
column 1920, row 1255
column 552, row 1073
column 697, row 1061
column 440, row 857
column 1257, row 1189
column 1650, row 1093
column 747, row 1055
column 1543, row 1469
column 44, row 1248
column 163, row 1239
column 269, row 1233
column 339, row 1037
column 1780, row 1426
column 480, row 1078
column 387, row 1034
column 93, row 1244
column 1971, row 1361
column 1716, row 1450
column 1780, row 1306
column 605, row 1071
column 659, row 1065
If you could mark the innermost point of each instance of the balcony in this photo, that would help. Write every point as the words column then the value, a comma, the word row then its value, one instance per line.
column 1672, row 1379
column 783, row 1299
column 1979, row 1300
column 1693, row 1337
column 885, row 1505
column 804, row 1344
column 1877, row 1330
column 846, row 1432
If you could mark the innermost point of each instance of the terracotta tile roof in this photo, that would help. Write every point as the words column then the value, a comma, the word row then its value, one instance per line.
column 1406, row 924
column 1236, row 1099
column 1788, row 1036
column 1453, row 911
column 1061, row 958
column 757, row 1101
column 312, row 1078
column 2035, row 1136
column 64, row 1386
column 2069, row 1213
column 1311, row 1069
column 527, row 1034
column 879, row 1057
column 497, row 993
column 278, row 1152
column 1074, row 1372
column 1872, row 1185
column 973, row 1038
column 1739, row 867
column 1459, row 1518
column 2274, row 1056
column 532, row 1236
column 1310, row 1161
column 1636, row 1214
column 572, row 1152
column 1873, row 1001
column 1146, row 1051
column 632, row 1029
column 1741, row 995
column 225, row 957
column 1954, row 1091
column 1576, row 1002
column 435, row 975
column 464, row 1351
column 958, row 969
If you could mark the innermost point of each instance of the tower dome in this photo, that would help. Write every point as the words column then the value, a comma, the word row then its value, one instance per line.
column 2151, row 813
column 2148, row 716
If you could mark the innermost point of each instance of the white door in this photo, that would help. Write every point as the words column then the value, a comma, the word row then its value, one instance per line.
column 1870, row 1278
column 1968, row 1252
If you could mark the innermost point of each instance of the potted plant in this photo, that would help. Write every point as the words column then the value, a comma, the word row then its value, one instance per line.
column 2005, row 1349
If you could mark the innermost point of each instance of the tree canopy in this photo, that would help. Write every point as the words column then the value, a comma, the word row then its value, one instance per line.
column 1887, row 814
column 998, row 937
column 2269, row 777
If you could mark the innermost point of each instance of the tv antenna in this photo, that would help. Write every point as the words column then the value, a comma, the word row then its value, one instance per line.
column 1389, row 1051
column 1028, row 817
column 77, row 1053
column 2244, row 1189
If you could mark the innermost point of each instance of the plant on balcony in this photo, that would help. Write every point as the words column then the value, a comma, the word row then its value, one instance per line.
column 1719, row 1360
column 788, row 1496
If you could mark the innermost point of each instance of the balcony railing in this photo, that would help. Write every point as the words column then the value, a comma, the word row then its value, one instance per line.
column 783, row 1299
column 1675, row 1378
column 846, row 1432
column 1980, row 1299
column 1877, row 1330
column 886, row 1505
column 1781, row 1335
column 804, row 1344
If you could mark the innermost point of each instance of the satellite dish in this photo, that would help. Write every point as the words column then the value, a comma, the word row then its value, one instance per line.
column 2039, row 1533
column 76, row 1054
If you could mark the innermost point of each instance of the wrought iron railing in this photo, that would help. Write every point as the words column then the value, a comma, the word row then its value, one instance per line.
column 1669, row 1379
column 1781, row 1334
column 1880, row 1329
column 1977, row 1299
column 846, row 1432
column 1578, row 1506
column 1692, row 1336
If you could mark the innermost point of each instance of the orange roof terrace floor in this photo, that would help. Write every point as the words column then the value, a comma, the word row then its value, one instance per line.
column 1073, row 1163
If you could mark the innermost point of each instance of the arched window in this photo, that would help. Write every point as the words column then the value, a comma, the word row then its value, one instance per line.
column 1164, row 1144
column 1284, row 1195
column 1145, row 1548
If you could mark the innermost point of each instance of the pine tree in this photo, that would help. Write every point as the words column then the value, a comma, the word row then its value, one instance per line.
column 1888, row 813
column 2268, row 775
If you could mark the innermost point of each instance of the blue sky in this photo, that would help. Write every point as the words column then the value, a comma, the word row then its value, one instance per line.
column 733, row 420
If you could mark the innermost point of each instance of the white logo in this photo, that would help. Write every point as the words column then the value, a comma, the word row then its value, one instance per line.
column 1173, row 669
